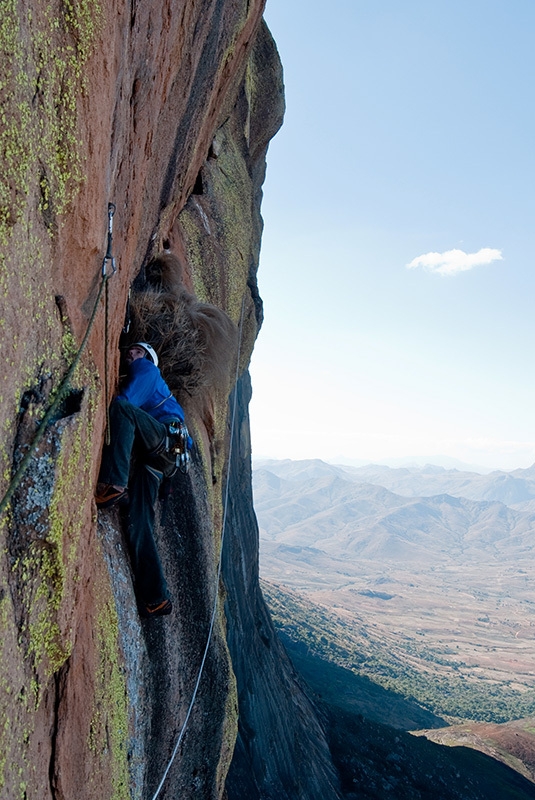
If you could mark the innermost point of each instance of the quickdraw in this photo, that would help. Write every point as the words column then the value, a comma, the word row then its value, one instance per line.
column 179, row 445
column 106, row 274
column 108, row 258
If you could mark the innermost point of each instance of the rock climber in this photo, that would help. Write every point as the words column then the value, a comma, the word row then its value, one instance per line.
column 143, row 419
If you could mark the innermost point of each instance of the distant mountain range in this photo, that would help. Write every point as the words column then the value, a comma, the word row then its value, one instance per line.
column 427, row 514
column 428, row 572
column 515, row 489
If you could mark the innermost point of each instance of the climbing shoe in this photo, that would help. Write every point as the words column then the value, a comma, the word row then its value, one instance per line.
column 161, row 609
column 108, row 496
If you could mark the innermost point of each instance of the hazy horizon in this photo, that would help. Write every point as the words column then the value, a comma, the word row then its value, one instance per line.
column 446, row 462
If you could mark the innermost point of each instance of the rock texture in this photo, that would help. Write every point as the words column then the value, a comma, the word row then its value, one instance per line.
column 164, row 109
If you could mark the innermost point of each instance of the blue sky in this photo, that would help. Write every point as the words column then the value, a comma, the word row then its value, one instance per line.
column 409, row 130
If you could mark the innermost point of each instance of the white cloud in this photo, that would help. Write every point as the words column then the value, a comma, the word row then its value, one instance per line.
column 453, row 261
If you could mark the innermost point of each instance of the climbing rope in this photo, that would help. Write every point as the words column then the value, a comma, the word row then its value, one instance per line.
column 216, row 597
column 65, row 383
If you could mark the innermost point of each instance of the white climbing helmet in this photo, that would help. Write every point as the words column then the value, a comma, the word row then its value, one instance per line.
column 150, row 351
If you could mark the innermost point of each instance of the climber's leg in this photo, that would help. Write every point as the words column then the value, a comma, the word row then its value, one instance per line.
column 150, row 583
column 128, row 424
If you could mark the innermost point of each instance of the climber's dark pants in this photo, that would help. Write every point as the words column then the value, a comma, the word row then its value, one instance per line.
column 134, row 432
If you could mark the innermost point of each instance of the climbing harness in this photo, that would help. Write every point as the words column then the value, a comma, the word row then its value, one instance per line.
column 107, row 264
column 218, row 577
column 65, row 383
column 176, row 443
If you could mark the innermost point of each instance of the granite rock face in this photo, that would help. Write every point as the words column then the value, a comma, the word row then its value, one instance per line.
column 281, row 752
column 164, row 109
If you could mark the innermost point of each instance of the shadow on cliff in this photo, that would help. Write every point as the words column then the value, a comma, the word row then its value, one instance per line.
column 376, row 761
column 367, row 730
column 342, row 688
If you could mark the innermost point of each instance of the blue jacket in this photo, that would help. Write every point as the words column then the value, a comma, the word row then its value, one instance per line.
column 146, row 389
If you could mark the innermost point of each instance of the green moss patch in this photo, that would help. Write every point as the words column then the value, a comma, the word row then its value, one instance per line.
column 108, row 733
column 41, row 78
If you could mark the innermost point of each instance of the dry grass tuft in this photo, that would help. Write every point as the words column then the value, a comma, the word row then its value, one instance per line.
column 196, row 342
